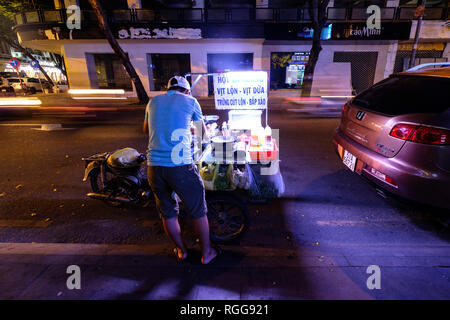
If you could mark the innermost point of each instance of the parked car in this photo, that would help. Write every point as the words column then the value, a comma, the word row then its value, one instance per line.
column 397, row 134
column 429, row 65
column 63, row 86
column 5, row 85
column 31, row 84
column 12, row 74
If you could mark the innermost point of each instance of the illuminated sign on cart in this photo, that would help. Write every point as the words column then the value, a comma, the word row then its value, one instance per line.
column 246, row 90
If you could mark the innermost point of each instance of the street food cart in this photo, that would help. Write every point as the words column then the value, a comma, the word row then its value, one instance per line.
column 240, row 155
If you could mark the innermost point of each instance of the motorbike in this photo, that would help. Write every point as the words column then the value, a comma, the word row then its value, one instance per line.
column 119, row 183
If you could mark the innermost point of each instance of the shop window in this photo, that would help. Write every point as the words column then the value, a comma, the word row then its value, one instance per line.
column 106, row 71
column 415, row 3
column 106, row 4
column 363, row 65
column 287, row 3
column 162, row 4
column 223, row 62
column 230, row 3
column 287, row 69
column 164, row 66
column 44, row 4
column 422, row 56
column 358, row 3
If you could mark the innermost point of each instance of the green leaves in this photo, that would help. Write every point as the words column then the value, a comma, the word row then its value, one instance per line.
column 8, row 9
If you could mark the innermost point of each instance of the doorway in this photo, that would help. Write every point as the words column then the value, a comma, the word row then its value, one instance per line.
column 223, row 62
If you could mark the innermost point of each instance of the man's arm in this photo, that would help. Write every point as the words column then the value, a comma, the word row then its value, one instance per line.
column 145, row 126
column 200, row 125
column 198, row 118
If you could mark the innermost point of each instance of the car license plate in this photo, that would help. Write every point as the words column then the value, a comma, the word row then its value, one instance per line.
column 349, row 160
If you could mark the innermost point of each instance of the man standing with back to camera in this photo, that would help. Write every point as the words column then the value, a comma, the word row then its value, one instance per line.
column 167, row 116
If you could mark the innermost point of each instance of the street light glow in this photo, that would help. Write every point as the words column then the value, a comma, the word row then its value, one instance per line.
column 96, row 91
column 11, row 102
column 99, row 98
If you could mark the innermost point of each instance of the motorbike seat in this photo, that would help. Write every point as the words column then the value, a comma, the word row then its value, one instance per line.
column 126, row 158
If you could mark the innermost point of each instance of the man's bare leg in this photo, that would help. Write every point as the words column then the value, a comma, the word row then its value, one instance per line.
column 173, row 231
column 201, row 226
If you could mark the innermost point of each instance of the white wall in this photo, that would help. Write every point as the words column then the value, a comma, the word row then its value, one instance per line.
column 446, row 53
column 75, row 54
column 335, row 76
column 329, row 75
column 431, row 30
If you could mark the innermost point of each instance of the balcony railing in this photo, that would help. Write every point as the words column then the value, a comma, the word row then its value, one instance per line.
column 227, row 15
column 387, row 13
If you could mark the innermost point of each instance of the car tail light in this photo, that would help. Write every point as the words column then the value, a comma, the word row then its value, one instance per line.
column 431, row 135
column 402, row 131
column 421, row 134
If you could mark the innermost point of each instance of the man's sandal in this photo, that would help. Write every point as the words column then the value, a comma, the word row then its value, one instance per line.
column 177, row 256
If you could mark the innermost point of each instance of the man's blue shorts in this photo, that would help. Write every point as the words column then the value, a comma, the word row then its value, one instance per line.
column 186, row 182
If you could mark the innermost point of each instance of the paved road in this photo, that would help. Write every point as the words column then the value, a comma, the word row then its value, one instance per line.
column 314, row 243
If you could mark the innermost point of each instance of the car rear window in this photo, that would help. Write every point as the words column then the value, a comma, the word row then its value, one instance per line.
column 406, row 94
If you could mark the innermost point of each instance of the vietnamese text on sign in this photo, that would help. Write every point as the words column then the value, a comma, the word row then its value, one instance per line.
column 240, row 90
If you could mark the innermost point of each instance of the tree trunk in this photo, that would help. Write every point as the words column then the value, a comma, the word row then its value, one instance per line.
column 103, row 24
column 59, row 63
column 28, row 54
column 308, row 76
column 318, row 15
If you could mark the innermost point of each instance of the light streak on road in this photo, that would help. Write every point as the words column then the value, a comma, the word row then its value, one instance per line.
column 99, row 98
column 23, row 102
column 96, row 91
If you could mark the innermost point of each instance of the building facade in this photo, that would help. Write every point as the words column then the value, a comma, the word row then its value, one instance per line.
column 163, row 38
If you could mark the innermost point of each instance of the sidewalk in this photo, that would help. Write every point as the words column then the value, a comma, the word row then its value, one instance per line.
column 149, row 271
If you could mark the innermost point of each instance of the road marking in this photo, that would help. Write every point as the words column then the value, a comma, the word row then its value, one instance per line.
column 24, row 223
column 358, row 223
column 34, row 248
column 249, row 256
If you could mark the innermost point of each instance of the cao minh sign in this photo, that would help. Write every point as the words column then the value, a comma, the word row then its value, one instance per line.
column 240, row 90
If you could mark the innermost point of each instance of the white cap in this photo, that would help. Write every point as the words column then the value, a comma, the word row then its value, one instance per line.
column 178, row 81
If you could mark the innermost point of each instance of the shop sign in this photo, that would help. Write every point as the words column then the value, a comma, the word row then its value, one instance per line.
column 240, row 90
column 294, row 31
column 159, row 33
column 339, row 31
column 360, row 31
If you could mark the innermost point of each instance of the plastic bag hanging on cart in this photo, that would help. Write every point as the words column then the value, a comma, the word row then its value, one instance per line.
column 265, row 182
column 219, row 177
column 223, row 177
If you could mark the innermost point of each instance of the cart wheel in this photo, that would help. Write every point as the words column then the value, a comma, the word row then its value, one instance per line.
column 228, row 217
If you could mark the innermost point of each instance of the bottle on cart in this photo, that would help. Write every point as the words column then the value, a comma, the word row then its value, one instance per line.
column 225, row 130
column 268, row 137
